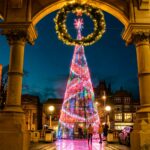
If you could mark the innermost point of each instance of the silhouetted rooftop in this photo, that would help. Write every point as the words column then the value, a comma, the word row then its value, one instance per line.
column 54, row 101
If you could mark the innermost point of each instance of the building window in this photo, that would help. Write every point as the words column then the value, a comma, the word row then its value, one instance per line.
column 118, row 100
column 128, row 117
column 34, row 118
column 127, row 100
column 118, row 117
column 127, row 108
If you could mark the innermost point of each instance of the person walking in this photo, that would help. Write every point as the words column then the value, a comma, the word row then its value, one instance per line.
column 90, row 133
column 100, row 131
column 80, row 132
column 105, row 131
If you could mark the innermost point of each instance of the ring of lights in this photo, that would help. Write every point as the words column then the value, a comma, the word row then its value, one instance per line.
column 94, row 13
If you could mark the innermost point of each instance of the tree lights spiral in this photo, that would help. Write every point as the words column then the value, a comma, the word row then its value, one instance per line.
column 79, row 96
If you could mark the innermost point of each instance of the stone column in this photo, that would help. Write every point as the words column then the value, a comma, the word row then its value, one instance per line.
column 13, row 134
column 139, row 34
column 13, row 131
column 140, row 137
column 17, row 42
column 142, row 42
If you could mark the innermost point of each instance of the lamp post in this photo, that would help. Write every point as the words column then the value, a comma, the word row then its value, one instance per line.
column 107, row 109
column 51, row 110
column 104, row 98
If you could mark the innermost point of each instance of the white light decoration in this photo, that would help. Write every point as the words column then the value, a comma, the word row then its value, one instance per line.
column 108, row 108
column 51, row 108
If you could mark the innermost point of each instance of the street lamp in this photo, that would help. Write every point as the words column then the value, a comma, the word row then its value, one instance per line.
column 107, row 109
column 104, row 98
column 51, row 110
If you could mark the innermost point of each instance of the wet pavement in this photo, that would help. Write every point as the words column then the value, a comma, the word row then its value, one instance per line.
column 77, row 145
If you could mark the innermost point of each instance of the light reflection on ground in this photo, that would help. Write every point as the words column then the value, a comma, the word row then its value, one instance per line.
column 79, row 145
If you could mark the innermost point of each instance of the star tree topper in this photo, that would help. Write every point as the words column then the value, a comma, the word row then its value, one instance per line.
column 78, row 23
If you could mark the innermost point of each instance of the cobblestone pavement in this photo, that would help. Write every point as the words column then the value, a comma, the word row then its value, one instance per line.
column 76, row 145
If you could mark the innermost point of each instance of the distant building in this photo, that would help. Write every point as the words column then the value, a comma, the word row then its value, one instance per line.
column 124, row 109
column 103, row 97
column 33, row 112
column 102, row 89
column 123, row 106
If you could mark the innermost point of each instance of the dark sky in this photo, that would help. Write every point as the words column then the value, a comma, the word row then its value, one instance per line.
column 49, row 60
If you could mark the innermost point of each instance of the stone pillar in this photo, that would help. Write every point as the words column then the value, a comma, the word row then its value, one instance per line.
column 13, row 131
column 13, row 134
column 140, row 137
column 15, row 73
column 142, row 43
column 140, row 35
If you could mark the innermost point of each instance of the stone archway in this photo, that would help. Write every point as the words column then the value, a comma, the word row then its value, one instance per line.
column 20, row 18
column 118, row 10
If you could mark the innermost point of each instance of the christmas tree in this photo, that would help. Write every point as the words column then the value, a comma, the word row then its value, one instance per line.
column 78, row 106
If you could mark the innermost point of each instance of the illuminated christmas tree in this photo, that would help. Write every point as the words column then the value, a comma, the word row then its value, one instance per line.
column 78, row 106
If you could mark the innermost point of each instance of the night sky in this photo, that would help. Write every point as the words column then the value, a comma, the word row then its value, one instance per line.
column 47, row 63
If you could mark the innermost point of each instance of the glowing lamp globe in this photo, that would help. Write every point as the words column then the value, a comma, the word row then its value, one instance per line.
column 104, row 97
column 51, row 108
column 108, row 108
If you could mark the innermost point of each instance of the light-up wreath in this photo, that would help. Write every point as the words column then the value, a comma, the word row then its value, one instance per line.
column 94, row 13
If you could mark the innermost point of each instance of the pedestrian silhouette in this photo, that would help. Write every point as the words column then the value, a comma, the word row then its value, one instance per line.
column 100, row 131
column 90, row 133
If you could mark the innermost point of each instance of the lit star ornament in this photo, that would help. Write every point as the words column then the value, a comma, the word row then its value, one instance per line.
column 79, row 12
column 78, row 23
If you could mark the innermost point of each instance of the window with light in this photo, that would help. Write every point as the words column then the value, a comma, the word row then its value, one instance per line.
column 128, row 117
column 118, row 117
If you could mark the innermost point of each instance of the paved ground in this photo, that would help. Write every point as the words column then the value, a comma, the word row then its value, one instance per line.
column 76, row 145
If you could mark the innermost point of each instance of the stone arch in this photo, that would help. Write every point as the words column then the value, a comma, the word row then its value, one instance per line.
column 118, row 10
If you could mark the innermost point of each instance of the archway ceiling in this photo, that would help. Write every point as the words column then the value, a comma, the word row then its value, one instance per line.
column 117, row 8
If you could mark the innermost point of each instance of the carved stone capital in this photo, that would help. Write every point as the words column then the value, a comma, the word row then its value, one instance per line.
column 15, row 36
column 16, row 32
column 136, row 32
column 140, row 37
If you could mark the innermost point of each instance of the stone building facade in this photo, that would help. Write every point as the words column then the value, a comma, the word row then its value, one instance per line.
column 33, row 112
column 123, row 106
column 124, row 109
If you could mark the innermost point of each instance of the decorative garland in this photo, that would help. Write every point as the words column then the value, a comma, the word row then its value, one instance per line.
column 94, row 13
